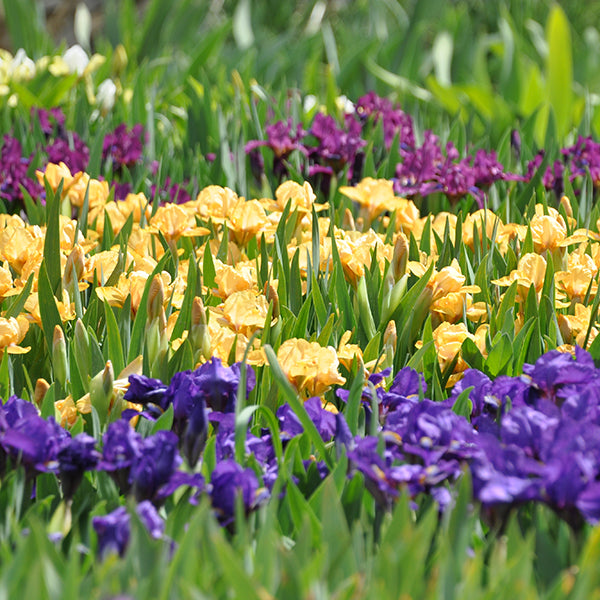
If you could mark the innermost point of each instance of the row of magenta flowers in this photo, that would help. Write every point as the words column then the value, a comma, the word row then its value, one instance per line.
column 532, row 438
column 327, row 148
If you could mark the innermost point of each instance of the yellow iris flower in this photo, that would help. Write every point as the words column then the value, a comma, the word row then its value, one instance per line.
column 310, row 368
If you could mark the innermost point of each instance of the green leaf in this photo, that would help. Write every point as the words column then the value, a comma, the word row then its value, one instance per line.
column 115, row 348
column 354, row 401
column 318, row 302
column 559, row 68
column 499, row 357
column 471, row 354
column 52, row 239
column 185, row 314
column 16, row 307
column 208, row 268
column 48, row 309
column 164, row 422
column 463, row 405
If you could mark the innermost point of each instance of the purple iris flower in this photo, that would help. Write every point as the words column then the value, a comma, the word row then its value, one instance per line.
column 343, row 436
column 51, row 121
column 13, row 173
column 153, row 522
column 555, row 369
column 365, row 458
column 122, row 447
column 145, row 390
column 220, row 384
column 76, row 456
column 395, row 121
column 155, row 467
column 195, row 434
column 228, row 480
column 282, row 139
column 34, row 443
column 71, row 150
column 113, row 531
column 289, row 423
column 123, row 147
column 588, row 503
column 529, row 429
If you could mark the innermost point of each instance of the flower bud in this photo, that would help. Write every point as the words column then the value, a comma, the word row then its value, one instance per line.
column 566, row 204
column 199, row 335
column 390, row 335
column 101, row 391
column 41, row 387
column 59, row 356
column 73, row 269
column 82, row 352
column 76, row 59
column 348, row 222
column 105, row 96
column 400, row 257
column 119, row 59
column 390, row 341
column 272, row 296
column 157, row 344
column 156, row 298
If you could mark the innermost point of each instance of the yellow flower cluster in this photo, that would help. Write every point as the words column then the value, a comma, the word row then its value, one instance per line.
column 237, row 309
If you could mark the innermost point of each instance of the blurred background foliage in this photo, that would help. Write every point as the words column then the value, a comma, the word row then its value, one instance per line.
column 204, row 77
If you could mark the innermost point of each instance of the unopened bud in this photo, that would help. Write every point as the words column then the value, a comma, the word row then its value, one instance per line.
column 74, row 268
column 348, row 222
column 82, row 353
column 198, row 312
column 101, row 391
column 119, row 59
column 59, row 356
column 156, row 298
column 199, row 335
column 272, row 296
column 566, row 204
column 157, row 344
column 390, row 335
column 400, row 256
column 39, row 393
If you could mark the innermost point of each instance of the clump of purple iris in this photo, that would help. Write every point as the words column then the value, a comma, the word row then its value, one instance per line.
column 51, row 121
column 336, row 146
column 282, row 138
column 395, row 121
column 171, row 191
column 71, row 150
column 577, row 160
column 428, row 169
column 123, row 147
column 13, row 174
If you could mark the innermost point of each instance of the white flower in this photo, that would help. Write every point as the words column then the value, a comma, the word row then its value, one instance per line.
column 310, row 101
column 76, row 59
column 105, row 97
column 22, row 67
column 343, row 103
